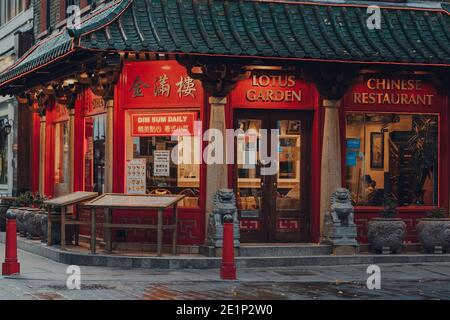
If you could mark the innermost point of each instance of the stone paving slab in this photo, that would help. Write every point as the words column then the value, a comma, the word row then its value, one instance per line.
column 43, row 279
column 184, row 262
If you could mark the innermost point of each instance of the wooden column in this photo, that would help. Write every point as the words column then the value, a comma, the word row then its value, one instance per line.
column 218, row 77
column 43, row 142
column 331, row 170
column 109, row 145
column 71, row 147
column 332, row 82
column 216, row 174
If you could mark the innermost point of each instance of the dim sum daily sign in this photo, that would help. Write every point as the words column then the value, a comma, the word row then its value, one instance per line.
column 162, row 124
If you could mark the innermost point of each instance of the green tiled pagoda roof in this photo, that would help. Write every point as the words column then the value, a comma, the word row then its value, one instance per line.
column 58, row 45
column 296, row 30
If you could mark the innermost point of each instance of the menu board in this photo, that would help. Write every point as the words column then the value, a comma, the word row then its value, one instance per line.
column 136, row 176
column 161, row 166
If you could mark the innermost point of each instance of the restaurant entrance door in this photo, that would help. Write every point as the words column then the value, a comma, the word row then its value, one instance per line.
column 273, row 206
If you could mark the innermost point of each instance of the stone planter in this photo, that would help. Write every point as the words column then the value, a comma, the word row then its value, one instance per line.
column 434, row 235
column 30, row 222
column 386, row 235
column 21, row 216
column 33, row 224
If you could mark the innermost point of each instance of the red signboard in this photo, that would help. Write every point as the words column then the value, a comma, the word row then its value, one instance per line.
column 273, row 89
column 160, row 84
column 93, row 104
column 162, row 124
column 399, row 92
column 60, row 113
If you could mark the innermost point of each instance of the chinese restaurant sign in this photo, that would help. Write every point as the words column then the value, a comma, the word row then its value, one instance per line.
column 391, row 92
column 162, row 124
column 61, row 113
column 93, row 104
column 160, row 84
column 272, row 89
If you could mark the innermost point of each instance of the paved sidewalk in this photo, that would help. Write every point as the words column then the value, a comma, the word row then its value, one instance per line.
column 44, row 279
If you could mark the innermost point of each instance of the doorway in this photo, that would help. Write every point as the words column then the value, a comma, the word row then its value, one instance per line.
column 273, row 206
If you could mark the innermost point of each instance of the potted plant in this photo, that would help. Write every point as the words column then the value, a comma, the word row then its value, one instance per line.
column 387, row 233
column 434, row 231
column 424, row 149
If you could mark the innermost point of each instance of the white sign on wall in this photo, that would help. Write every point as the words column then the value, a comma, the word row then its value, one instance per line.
column 161, row 165
column 136, row 176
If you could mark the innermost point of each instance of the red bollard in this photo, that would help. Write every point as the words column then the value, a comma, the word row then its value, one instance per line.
column 228, row 267
column 11, row 265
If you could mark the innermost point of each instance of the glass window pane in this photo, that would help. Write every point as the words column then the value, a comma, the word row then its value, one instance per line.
column 94, row 158
column 288, row 179
column 170, row 177
column 61, row 158
column 395, row 154
column 248, row 171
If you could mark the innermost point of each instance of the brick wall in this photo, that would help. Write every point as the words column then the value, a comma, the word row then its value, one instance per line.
column 57, row 10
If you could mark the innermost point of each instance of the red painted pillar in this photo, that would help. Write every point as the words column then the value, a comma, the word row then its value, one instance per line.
column 228, row 267
column 11, row 265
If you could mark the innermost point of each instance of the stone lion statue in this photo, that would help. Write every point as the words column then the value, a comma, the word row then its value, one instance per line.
column 341, row 209
column 224, row 204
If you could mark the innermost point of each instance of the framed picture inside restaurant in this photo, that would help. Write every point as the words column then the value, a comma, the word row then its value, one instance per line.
column 376, row 150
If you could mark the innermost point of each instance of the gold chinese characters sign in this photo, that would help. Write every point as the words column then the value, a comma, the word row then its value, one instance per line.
column 164, row 84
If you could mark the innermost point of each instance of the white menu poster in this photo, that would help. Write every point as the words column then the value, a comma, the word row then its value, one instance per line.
column 161, row 165
column 136, row 176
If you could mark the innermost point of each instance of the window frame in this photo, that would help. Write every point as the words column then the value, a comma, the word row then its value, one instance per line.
column 128, row 151
column 440, row 107
column 367, row 155
column 9, row 9
column 84, row 119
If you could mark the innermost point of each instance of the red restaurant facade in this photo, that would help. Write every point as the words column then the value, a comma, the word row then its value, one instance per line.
column 268, row 98
column 108, row 127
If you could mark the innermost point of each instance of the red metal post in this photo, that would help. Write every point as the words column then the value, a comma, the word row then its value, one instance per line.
column 228, row 267
column 11, row 265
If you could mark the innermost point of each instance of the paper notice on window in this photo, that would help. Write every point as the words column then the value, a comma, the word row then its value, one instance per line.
column 136, row 176
column 161, row 165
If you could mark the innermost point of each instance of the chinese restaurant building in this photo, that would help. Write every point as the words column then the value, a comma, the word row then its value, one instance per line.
column 352, row 107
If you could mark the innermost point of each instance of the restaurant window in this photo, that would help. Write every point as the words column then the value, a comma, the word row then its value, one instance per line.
column 94, row 156
column 4, row 156
column 162, row 175
column 61, row 158
column 392, row 154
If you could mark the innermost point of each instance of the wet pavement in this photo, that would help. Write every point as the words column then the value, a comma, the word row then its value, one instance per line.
column 43, row 279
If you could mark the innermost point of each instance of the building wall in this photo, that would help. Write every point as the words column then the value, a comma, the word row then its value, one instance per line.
column 8, row 105
column 57, row 13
